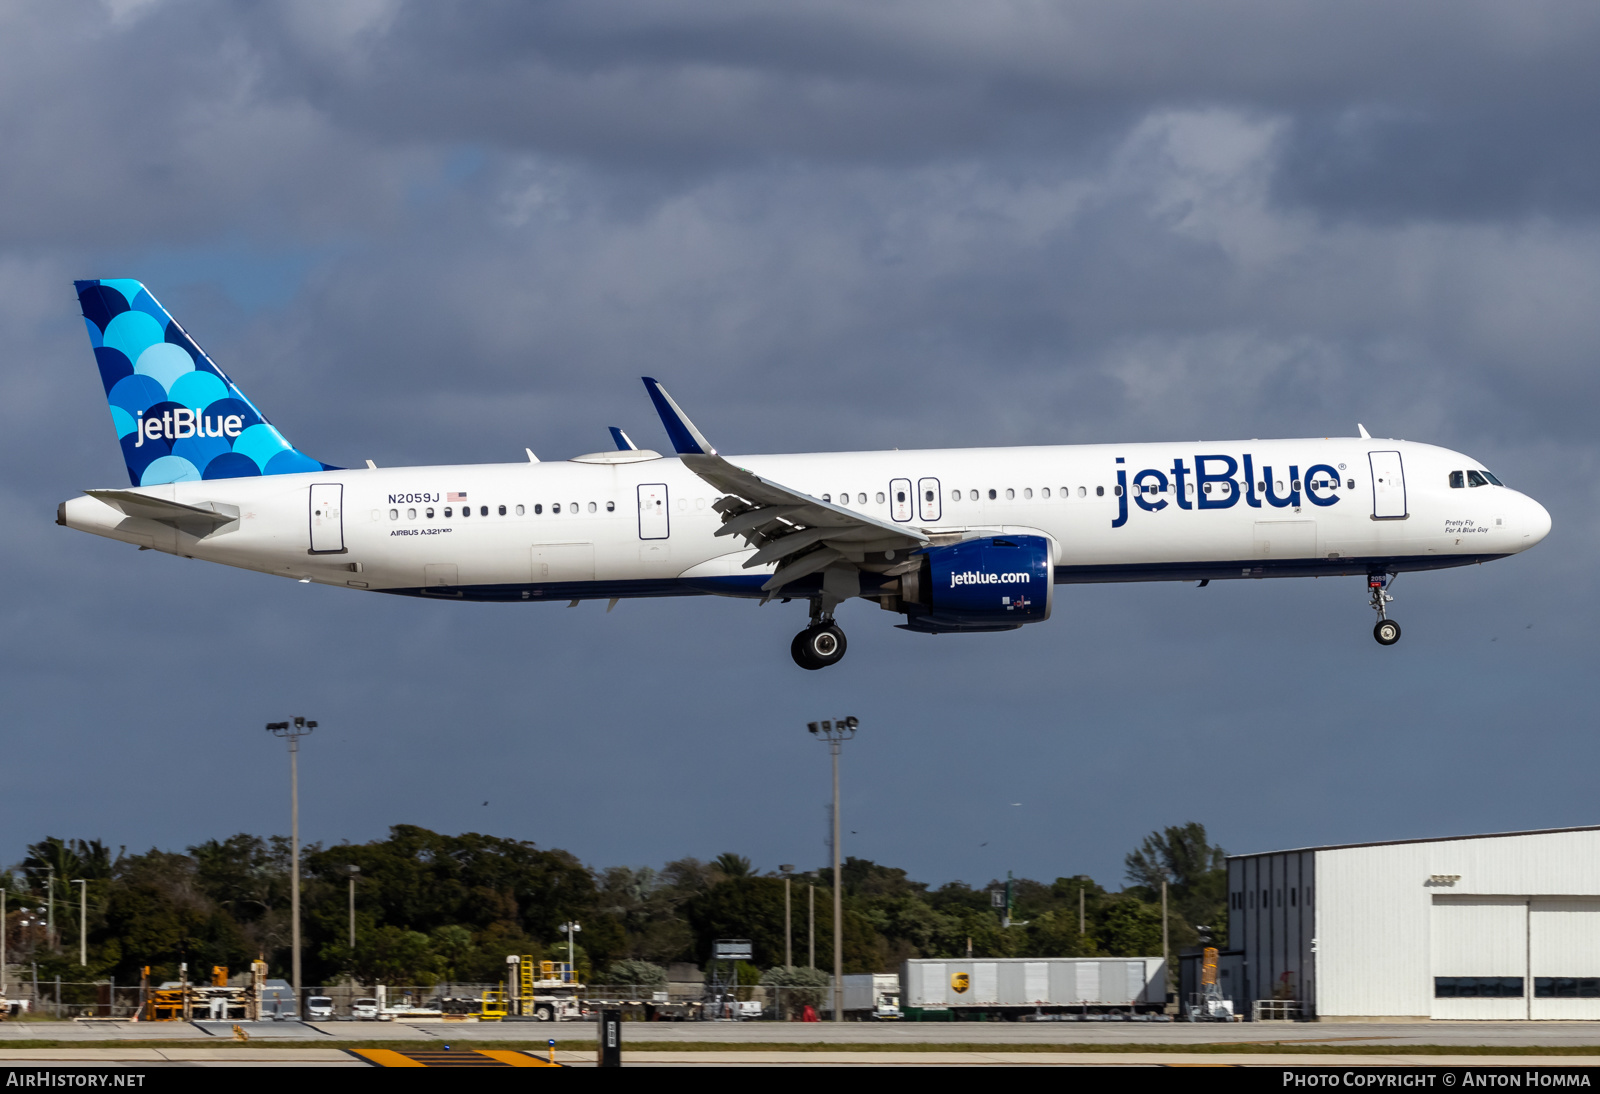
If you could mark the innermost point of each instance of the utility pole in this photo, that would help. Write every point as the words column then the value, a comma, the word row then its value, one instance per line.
column 354, row 871
column 788, row 920
column 836, row 733
column 2, row 943
column 1080, row 911
column 293, row 730
column 50, row 913
column 1165, row 948
column 83, row 920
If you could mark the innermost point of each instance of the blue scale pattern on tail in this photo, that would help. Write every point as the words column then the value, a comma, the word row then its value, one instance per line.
column 178, row 417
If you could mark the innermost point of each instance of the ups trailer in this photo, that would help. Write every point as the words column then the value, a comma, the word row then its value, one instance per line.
column 1018, row 988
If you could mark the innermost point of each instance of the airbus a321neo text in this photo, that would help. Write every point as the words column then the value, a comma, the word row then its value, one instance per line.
column 950, row 540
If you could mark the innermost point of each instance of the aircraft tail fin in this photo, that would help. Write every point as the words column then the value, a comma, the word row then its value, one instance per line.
column 178, row 417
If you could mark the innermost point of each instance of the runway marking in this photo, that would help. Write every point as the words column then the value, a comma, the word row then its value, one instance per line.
column 461, row 1057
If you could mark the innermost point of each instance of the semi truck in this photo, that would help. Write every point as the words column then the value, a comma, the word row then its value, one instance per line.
column 1032, row 987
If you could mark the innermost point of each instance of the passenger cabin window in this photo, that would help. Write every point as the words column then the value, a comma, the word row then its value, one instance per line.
column 502, row 510
column 992, row 495
column 411, row 514
column 611, row 507
column 428, row 512
column 1099, row 491
column 520, row 510
column 955, row 495
column 538, row 509
column 394, row 514
column 1011, row 494
column 973, row 494
column 880, row 497
column 447, row 510
column 555, row 507
column 1045, row 493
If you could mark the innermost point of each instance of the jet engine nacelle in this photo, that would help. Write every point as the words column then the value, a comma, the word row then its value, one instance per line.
column 991, row 583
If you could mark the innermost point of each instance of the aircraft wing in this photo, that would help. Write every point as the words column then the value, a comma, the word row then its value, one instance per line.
column 801, row 533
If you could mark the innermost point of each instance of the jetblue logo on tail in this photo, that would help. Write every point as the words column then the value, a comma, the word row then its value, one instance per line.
column 177, row 415
column 175, row 425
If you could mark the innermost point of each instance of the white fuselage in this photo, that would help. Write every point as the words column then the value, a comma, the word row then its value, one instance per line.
column 628, row 524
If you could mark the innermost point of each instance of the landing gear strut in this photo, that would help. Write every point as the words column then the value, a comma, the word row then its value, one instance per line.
column 1386, row 630
column 819, row 645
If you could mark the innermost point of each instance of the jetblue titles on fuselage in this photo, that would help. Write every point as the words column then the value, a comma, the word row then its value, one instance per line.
column 1211, row 482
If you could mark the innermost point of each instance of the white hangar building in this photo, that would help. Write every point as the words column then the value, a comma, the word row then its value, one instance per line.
column 1500, row 926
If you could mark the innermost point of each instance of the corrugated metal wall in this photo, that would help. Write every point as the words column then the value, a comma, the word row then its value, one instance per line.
column 1270, row 919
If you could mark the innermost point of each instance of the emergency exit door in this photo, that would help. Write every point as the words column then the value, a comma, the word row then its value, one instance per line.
column 327, row 519
column 1388, row 486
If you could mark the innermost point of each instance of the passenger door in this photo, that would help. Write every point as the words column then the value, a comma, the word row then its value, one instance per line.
column 1388, row 486
column 654, row 523
column 327, row 519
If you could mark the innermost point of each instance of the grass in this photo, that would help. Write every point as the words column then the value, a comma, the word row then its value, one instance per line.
column 1250, row 1048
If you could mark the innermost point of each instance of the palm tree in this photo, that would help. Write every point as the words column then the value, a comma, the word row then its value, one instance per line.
column 730, row 865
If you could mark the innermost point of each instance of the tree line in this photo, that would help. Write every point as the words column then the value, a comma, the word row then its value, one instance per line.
column 431, row 907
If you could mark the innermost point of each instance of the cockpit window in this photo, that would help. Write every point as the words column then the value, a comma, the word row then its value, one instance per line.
column 1492, row 479
column 1475, row 478
column 1458, row 480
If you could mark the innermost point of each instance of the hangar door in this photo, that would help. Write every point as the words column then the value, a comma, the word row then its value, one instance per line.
column 1564, row 950
column 1480, row 957
column 1516, row 957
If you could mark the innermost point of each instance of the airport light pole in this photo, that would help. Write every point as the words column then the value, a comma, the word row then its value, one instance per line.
column 83, row 920
column 572, row 962
column 293, row 730
column 788, row 919
column 836, row 733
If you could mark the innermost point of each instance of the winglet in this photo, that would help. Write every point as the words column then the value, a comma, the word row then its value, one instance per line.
column 624, row 442
column 1364, row 434
column 686, row 439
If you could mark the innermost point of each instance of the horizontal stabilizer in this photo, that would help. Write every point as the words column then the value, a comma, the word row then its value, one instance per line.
column 208, row 515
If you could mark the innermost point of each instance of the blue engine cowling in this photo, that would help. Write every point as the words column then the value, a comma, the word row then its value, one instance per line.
column 993, row 583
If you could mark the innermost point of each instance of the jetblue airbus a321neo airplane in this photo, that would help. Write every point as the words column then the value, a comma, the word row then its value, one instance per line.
column 952, row 540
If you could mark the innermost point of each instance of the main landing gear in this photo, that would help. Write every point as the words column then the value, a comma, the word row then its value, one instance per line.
column 819, row 645
column 1386, row 630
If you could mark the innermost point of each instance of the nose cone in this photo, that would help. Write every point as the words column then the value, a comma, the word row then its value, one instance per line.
column 1535, row 522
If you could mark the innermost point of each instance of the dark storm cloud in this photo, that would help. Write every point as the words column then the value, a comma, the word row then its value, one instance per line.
column 423, row 232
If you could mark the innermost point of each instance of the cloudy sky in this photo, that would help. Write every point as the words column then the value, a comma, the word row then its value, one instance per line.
column 425, row 233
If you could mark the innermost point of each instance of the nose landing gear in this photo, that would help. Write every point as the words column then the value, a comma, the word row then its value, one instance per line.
column 819, row 645
column 1386, row 630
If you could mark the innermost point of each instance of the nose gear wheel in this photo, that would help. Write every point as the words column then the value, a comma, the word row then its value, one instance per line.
column 818, row 646
column 1386, row 631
